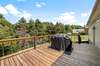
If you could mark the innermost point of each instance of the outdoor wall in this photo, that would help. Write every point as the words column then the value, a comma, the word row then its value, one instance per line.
column 97, row 33
column 90, row 33
column 94, row 20
column 95, row 37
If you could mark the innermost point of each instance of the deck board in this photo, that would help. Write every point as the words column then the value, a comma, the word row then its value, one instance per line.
column 22, row 61
column 82, row 55
column 6, row 62
column 18, row 63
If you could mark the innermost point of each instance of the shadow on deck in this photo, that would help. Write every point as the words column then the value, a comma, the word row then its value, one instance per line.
column 82, row 55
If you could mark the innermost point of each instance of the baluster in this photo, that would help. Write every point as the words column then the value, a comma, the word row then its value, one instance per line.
column 19, row 44
column 3, row 52
column 23, row 44
column 34, row 42
column 39, row 40
column 42, row 40
column 11, row 44
column 28, row 42
column 29, row 45
column 31, row 41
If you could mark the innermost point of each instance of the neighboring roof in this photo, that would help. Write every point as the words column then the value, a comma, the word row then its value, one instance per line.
column 95, row 13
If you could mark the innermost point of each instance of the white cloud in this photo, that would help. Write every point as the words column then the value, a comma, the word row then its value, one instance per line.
column 84, row 14
column 72, row 18
column 25, row 14
column 72, row 12
column 66, row 18
column 12, row 9
column 3, row 10
column 40, row 4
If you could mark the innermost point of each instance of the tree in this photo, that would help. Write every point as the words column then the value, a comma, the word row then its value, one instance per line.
column 76, row 26
column 1, row 16
column 21, row 23
column 59, row 28
column 6, row 28
column 21, row 27
column 38, row 26
column 31, row 28
column 51, row 28
column 68, row 28
column 45, row 26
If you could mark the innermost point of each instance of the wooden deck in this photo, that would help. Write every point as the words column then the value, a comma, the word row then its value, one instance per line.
column 82, row 55
column 42, row 56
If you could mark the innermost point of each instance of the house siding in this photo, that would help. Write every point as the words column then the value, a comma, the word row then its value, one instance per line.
column 97, row 33
column 90, row 33
column 94, row 21
column 94, row 38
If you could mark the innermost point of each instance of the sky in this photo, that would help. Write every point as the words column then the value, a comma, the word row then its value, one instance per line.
column 64, row 11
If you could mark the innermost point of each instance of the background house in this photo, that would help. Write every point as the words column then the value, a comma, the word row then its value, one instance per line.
column 94, row 25
column 78, row 30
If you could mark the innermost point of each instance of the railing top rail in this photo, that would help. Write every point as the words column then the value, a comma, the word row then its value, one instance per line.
column 21, row 38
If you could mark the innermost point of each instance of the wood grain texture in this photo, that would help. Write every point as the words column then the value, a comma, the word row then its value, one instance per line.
column 82, row 55
column 42, row 56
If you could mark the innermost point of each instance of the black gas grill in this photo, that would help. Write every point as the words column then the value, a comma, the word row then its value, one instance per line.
column 60, row 42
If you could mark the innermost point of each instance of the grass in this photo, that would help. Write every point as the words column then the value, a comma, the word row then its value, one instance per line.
column 75, row 38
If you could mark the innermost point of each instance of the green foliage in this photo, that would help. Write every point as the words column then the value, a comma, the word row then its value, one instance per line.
column 32, row 27
column 28, row 28
column 69, row 28
column 6, row 28
column 21, row 23
column 21, row 27
column 38, row 25
column 59, row 28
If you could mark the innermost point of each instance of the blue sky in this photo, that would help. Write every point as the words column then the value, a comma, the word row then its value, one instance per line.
column 64, row 11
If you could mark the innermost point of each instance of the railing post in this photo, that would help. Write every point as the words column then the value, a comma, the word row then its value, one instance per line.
column 3, row 49
column 11, row 45
column 34, row 43
column 17, row 44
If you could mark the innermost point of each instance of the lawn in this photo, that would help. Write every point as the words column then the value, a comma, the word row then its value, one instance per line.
column 74, row 38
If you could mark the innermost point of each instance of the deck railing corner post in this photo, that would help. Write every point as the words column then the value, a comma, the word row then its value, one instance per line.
column 34, row 42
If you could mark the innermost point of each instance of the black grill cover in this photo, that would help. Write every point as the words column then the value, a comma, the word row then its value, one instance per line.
column 60, row 42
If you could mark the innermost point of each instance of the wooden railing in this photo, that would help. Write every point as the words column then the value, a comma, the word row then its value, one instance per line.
column 9, row 46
